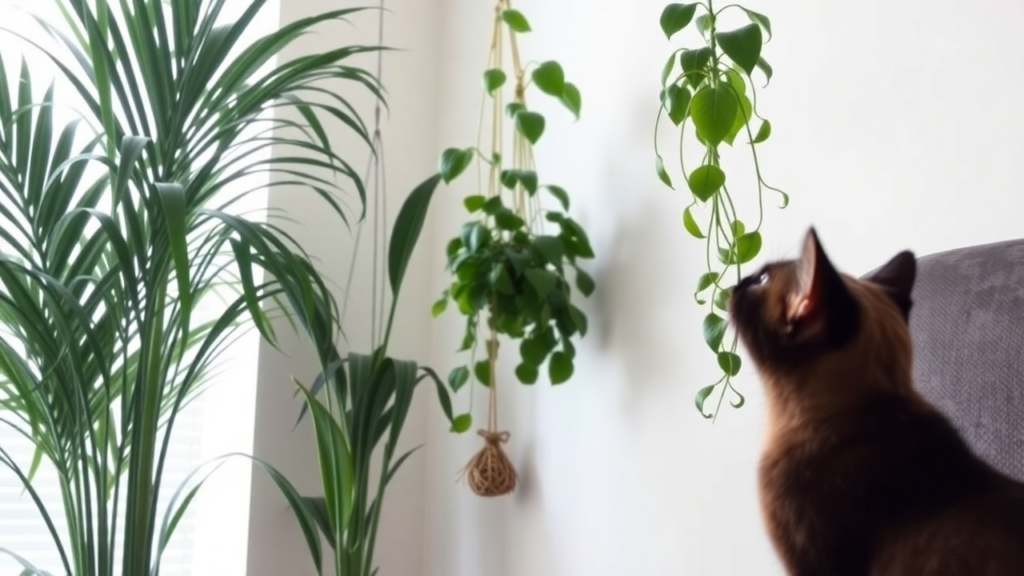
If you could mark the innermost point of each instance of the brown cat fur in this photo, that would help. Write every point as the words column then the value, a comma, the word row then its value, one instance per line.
column 860, row 476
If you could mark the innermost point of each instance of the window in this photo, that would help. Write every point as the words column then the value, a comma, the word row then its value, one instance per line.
column 212, row 537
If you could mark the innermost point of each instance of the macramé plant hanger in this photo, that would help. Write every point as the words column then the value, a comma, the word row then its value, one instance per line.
column 510, row 262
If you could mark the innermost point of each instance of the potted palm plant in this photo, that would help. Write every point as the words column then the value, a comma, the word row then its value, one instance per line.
column 116, row 229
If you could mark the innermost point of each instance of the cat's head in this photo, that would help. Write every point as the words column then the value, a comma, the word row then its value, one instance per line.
column 802, row 317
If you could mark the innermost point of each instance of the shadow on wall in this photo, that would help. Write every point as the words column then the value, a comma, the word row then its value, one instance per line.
column 638, row 300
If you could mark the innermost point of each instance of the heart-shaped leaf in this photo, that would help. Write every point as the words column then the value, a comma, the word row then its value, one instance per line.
column 742, row 45
column 693, row 63
column 584, row 283
column 691, row 225
column 530, row 125
column 714, row 110
column 560, row 367
column 550, row 78
column 702, row 397
column 714, row 330
column 494, row 79
column 515, row 20
column 454, row 162
column 675, row 17
column 474, row 202
column 457, row 378
column 527, row 373
column 677, row 102
column 765, row 67
column 705, row 181
column 462, row 423
column 482, row 371
column 763, row 132
column 729, row 362
column 571, row 99
column 659, row 165
column 748, row 246
column 560, row 194
column 761, row 20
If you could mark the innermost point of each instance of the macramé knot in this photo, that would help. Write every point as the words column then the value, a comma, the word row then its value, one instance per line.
column 490, row 472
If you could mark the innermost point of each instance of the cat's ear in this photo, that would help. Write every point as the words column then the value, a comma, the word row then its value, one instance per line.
column 897, row 278
column 823, row 302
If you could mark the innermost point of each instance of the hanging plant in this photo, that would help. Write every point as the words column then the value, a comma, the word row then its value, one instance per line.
column 709, row 92
column 514, row 264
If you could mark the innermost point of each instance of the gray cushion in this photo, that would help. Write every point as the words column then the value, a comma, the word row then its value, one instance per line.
column 967, row 326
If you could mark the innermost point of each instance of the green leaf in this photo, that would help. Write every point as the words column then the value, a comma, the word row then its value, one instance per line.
column 722, row 299
column 458, row 377
column 693, row 63
column 407, row 228
column 705, row 281
column 729, row 362
column 462, row 423
column 560, row 194
column 766, row 68
column 515, row 20
column 528, row 178
column 677, row 102
column 659, row 165
column 482, row 371
column 714, row 330
column 763, row 132
column 738, row 228
column 560, row 367
column 571, row 99
column 761, row 20
column 670, row 65
column 454, row 161
column 713, row 110
column 702, row 397
column 703, row 23
column 542, row 281
column 742, row 45
column 440, row 305
column 527, row 373
column 474, row 202
column 584, row 283
column 514, row 108
column 743, row 115
column 675, row 17
column 579, row 319
column 550, row 78
column 530, row 125
column 506, row 219
column 494, row 78
column 550, row 247
column 748, row 246
column 691, row 225
column 533, row 350
column 705, row 181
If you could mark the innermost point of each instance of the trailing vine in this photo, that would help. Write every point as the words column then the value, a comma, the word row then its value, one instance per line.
column 710, row 88
column 508, row 270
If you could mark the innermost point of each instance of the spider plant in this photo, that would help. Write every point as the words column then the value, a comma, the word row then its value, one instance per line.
column 117, row 233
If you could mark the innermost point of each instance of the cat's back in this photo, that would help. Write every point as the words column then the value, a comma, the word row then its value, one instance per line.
column 889, row 488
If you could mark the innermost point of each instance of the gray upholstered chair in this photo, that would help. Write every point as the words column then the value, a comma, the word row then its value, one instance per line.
column 967, row 325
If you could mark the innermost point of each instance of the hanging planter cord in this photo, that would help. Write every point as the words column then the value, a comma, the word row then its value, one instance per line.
column 490, row 472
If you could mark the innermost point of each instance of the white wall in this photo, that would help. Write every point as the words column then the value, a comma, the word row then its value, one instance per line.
column 276, row 547
column 895, row 125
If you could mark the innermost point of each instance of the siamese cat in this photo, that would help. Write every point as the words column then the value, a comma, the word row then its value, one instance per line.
column 860, row 475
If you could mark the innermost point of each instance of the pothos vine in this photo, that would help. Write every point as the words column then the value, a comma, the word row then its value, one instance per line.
column 711, row 89
column 506, row 267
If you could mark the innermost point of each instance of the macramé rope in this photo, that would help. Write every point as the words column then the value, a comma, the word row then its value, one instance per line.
column 490, row 472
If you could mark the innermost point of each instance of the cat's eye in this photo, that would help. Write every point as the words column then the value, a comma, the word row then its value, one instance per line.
column 763, row 278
